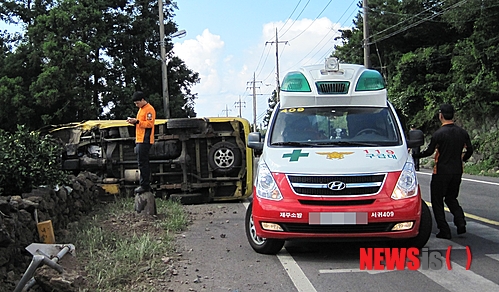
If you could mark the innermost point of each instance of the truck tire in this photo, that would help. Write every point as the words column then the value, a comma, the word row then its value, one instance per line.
column 259, row 244
column 424, row 230
column 224, row 157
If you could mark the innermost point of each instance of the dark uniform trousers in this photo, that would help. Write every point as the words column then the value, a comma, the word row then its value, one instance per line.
column 143, row 160
column 445, row 188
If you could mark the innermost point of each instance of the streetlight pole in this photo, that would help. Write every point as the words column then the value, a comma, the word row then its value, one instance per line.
column 164, row 74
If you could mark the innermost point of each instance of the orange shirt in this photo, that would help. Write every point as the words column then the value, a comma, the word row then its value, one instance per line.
column 144, row 129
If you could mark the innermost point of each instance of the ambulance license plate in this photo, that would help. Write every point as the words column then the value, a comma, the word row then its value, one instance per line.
column 337, row 218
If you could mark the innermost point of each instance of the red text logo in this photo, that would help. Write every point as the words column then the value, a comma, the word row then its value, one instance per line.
column 390, row 259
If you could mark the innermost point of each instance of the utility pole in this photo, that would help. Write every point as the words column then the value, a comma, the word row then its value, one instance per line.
column 166, row 101
column 254, row 100
column 164, row 73
column 240, row 104
column 226, row 110
column 278, row 90
column 367, row 61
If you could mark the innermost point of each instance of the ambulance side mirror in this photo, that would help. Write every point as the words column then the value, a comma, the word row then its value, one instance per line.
column 255, row 141
column 416, row 138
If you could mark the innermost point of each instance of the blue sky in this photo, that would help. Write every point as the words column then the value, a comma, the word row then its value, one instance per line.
column 229, row 41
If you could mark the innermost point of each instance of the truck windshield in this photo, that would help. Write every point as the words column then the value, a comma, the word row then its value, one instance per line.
column 336, row 126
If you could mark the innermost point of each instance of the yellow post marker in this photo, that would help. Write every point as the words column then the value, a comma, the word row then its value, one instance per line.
column 46, row 232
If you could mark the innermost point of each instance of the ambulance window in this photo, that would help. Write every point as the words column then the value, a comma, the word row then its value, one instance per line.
column 325, row 125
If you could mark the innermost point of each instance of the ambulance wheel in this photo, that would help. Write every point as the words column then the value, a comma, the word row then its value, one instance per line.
column 224, row 157
column 424, row 230
column 259, row 244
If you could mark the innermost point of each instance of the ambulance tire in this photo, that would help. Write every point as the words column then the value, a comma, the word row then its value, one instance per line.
column 224, row 157
column 259, row 244
column 425, row 227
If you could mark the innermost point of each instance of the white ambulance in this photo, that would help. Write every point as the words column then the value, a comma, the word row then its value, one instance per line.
column 335, row 164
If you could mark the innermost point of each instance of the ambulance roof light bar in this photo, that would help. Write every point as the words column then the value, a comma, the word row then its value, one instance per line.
column 331, row 64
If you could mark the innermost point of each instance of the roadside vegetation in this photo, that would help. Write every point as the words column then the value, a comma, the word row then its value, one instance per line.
column 119, row 250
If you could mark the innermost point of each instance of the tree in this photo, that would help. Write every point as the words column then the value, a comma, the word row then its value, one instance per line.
column 83, row 60
column 272, row 104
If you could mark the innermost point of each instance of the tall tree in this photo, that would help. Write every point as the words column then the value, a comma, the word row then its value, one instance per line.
column 83, row 60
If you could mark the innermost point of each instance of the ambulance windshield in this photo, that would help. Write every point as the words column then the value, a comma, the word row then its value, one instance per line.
column 335, row 126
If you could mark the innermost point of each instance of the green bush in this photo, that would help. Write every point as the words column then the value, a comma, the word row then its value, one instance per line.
column 28, row 160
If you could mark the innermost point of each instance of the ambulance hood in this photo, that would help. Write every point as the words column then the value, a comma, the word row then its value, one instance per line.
column 335, row 160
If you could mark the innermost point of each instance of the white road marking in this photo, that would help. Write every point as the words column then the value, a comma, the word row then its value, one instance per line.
column 295, row 273
column 483, row 231
column 441, row 244
column 459, row 279
column 467, row 179
column 339, row 271
column 493, row 256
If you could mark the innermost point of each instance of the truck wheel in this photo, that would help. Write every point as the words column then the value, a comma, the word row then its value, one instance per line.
column 259, row 244
column 424, row 230
column 224, row 157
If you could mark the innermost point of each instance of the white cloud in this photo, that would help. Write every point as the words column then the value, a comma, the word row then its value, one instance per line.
column 225, row 76
column 202, row 55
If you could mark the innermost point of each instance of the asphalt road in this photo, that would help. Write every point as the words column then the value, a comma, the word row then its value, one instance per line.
column 217, row 257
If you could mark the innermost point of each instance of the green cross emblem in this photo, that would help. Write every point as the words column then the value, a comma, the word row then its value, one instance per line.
column 295, row 155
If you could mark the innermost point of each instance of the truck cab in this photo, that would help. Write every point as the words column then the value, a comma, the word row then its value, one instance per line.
column 335, row 164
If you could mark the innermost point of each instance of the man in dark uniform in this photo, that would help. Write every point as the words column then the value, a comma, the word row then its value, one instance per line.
column 448, row 143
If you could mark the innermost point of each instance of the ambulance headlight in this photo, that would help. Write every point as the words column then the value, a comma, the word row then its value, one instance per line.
column 266, row 186
column 407, row 185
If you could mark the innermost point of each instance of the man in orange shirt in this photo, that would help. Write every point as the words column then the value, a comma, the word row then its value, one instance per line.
column 144, row 138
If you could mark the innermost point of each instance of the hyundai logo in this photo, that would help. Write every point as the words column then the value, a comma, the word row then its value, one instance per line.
column 336, row 185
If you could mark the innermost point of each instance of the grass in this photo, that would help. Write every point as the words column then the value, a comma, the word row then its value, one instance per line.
column 117, row 255
column 480, row 169
column 483, row 169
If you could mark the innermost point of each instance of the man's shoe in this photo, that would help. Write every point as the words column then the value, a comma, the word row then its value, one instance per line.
column 461, row 229
column 141, row 190
column 444, row 235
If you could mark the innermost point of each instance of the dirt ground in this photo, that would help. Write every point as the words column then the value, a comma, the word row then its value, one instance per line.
column 174, row 277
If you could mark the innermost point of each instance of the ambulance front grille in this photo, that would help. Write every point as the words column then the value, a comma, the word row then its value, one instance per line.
column 332, row 87
column 333, row 186
column 361, row 228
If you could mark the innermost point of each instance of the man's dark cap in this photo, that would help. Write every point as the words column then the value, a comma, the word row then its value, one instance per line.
column 446, row 109
column 138, row 96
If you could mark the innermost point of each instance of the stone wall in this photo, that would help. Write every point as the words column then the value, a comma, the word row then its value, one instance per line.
column 18, row 227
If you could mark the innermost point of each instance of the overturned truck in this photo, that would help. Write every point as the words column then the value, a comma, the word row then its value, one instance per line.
column 194, row 159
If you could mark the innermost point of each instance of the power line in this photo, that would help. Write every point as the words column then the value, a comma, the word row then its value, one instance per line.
column 295, row 19
column 312, row 21
column 278, row 87
column 253, row 85
column 239, row 104
column 291, row 15
column 417, row 23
